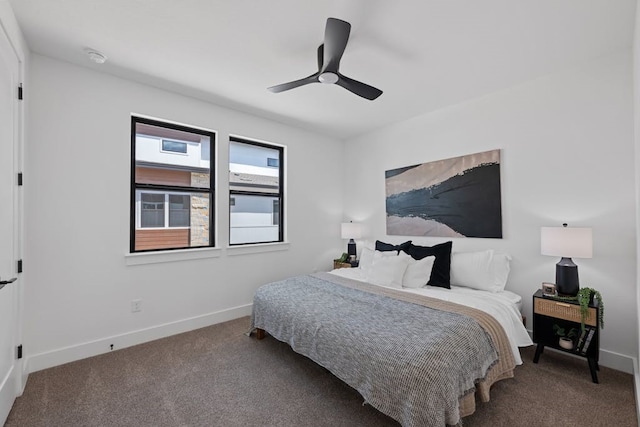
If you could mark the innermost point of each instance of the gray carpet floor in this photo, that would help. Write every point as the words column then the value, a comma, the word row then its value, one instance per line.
column 217, row 376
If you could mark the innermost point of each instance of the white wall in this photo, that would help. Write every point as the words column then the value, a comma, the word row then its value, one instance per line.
column 77, row 212
column 636, row 104
column 567, row 156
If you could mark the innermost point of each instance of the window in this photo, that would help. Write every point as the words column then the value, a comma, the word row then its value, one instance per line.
column 179, row 210
column 152, row 210
column 255, row 192
column 171, row 186
column 276, row 212
column 162, row 210
column 174, row 146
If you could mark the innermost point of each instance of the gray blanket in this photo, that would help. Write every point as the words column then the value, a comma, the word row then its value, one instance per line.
column 409, row 361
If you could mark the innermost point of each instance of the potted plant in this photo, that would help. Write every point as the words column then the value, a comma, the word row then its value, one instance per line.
column 342, row 261
column 566, row 339
column 585, row 297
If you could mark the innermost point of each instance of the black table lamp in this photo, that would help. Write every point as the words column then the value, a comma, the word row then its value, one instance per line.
column 351, row 231
column 567, row 242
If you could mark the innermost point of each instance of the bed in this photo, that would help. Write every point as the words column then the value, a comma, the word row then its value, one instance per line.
column 421, row 355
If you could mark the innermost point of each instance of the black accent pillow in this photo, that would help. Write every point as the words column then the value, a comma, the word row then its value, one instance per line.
column 386, row 247
column 441, row 272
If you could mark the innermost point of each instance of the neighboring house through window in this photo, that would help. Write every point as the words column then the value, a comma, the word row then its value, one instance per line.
column 255, row 192
column 171, row 186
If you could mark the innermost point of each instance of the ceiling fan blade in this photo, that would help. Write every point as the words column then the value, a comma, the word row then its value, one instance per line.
column 336, row 35
column 294, row 84
column 359, row 88
column 320, row 56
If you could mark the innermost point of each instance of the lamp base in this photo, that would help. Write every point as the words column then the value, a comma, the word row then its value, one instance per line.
column 567, row 283
column 351, row 248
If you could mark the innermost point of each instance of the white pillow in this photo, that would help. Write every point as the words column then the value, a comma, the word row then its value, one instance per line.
column 418, row 272
column 388, row 270
column 485, row 270
column 368, row 255
column 500, row 267
column 366, row 259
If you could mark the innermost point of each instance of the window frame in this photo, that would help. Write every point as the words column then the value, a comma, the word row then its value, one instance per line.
column 279, row 195
column 170, row 189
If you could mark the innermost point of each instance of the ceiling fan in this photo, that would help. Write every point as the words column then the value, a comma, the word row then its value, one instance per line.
column 336, row 35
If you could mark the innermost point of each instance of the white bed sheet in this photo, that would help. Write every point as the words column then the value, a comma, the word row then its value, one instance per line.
column 503, row 306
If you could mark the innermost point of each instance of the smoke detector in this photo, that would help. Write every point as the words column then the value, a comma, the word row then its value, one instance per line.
column 95, row 56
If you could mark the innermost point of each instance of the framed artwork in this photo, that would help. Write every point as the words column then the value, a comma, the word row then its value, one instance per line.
column 457, row 197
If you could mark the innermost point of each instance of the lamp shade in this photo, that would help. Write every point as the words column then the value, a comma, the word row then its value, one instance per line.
column 351, row 230
column 566, row 242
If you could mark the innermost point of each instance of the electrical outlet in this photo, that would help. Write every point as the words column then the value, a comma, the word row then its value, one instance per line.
column 136, row 305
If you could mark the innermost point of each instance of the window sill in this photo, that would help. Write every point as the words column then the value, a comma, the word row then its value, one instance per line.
column 257, row 248
column 141, row 258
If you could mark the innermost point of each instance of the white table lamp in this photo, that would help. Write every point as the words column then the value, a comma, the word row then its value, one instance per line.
column 351, row 231
column 567, row 242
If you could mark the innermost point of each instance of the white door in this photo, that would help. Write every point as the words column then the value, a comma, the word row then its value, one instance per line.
column 8, row 225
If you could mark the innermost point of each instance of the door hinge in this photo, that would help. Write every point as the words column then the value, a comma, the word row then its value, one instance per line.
column 19, row 351
column 19, row 266
column 20, row 95
column 19, row 178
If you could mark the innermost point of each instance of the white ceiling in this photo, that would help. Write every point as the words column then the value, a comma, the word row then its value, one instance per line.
column 424, row 54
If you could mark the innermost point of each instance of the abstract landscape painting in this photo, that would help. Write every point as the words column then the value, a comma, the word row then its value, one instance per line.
column 457, row 197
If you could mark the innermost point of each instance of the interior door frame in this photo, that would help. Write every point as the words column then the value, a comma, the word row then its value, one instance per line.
column 10, row 31
column 21, row 366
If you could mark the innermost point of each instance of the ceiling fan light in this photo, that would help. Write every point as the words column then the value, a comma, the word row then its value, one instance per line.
column 328, row 78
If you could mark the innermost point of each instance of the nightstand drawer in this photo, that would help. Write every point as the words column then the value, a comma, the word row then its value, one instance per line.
column 563, row 310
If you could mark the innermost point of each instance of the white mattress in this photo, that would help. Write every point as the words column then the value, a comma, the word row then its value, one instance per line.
column 503, row 306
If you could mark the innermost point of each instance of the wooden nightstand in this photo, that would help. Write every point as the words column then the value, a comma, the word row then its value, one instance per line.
column 549, row 311
column 338, row 264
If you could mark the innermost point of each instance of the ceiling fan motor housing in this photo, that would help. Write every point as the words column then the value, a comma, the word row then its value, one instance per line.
column 328, row 77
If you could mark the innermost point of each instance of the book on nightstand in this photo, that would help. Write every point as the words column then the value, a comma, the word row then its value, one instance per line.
column 583, row 335
column 587, row 340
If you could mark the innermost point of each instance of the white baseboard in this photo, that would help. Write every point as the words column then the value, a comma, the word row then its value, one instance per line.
column 609, row 359
column 636, row 383
column 37, row 362
column 617, row 361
